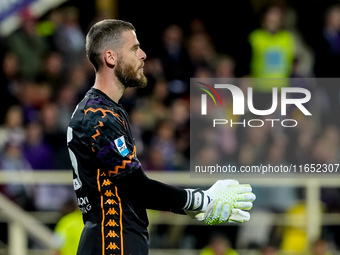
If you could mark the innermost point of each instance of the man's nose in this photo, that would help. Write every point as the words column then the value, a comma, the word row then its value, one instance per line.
column 142, row 54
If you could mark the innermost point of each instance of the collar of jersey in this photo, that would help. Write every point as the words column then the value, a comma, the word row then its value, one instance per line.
column 101, row 93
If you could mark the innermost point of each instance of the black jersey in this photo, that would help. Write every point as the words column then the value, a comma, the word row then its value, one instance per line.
column 103, row 152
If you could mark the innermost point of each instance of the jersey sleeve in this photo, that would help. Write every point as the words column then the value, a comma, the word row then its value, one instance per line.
column 110, row 142
column 154, row 195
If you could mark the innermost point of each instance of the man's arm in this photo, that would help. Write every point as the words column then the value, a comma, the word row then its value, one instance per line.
column 154, row 194
column 225, row 201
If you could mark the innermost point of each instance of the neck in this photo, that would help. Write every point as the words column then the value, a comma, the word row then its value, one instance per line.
column 109, row 85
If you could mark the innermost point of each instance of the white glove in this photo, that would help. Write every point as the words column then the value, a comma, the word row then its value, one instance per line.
column 223, row 202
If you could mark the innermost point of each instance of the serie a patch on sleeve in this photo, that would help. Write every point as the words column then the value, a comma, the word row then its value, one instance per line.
column 121, row 146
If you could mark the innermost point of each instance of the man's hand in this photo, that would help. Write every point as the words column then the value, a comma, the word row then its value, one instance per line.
column 223, row 202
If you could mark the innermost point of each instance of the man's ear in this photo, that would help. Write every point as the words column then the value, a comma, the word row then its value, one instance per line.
column 110, row 58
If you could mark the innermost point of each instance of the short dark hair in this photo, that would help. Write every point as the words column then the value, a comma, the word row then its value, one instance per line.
column 103, row 35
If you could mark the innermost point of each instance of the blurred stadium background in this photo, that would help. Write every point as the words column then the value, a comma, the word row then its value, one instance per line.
column 44, row 73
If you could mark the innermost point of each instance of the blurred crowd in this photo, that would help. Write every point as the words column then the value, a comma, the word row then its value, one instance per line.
column 45, row 73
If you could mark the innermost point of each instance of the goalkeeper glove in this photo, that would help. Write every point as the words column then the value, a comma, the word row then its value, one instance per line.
column 223, row 202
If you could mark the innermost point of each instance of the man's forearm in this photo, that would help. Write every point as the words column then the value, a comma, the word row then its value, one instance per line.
column 154, row 194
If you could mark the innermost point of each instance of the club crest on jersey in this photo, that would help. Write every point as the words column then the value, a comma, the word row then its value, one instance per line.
column 121, row 146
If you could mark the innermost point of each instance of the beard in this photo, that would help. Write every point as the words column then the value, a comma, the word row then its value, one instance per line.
column 128, row 76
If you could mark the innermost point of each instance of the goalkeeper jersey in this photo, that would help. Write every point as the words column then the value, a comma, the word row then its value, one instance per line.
column 102, row 153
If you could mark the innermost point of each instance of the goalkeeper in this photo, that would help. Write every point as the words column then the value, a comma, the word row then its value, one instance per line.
column 112, row 189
